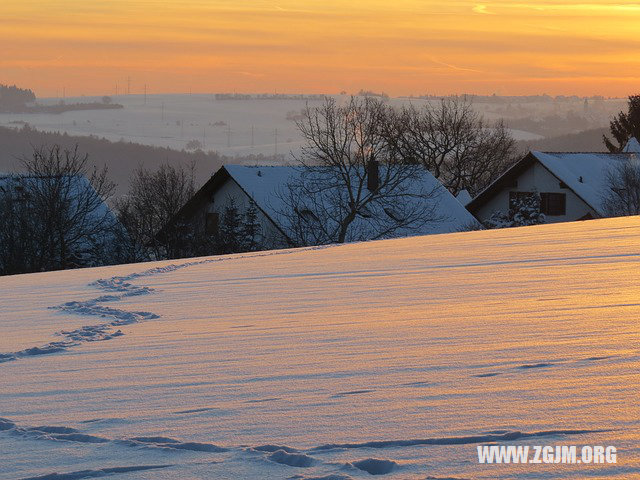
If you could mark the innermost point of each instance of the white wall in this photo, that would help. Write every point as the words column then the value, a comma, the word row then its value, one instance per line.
column 538, row 178
column 231, row 190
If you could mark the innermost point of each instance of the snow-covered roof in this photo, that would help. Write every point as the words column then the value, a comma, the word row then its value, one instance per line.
column 266, row 185
column 632, row 146
column 584, row 173
column 464, row 197
column 79, row 186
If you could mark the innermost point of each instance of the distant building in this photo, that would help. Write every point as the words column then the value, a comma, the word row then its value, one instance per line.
column 263, row 187
column 572, row 185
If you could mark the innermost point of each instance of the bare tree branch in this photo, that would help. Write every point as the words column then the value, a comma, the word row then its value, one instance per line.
column 332, row 199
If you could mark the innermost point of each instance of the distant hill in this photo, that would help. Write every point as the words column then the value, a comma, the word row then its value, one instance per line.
column 121, row 158
column 585, row 141
column 68, row 107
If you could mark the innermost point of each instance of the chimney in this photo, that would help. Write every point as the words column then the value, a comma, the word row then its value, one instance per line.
column 373, row 175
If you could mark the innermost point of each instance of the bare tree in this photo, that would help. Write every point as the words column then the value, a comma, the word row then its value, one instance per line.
column 351, row 184
column 154, row 199
column 18, row 244
column 454, row 143
column 623, row 195
column 55, row 213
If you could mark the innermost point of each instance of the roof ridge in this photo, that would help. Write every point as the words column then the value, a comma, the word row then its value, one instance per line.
column 581, row 152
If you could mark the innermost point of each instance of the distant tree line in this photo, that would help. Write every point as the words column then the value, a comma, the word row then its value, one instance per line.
column 554, row 125
column 585, row 141
column 121, row 157
column 506, row 99
column 16, row 100
column 13, row 98
column 62, row 107
column 268, row 96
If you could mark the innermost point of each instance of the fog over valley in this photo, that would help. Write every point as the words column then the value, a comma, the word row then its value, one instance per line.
column 212, row 129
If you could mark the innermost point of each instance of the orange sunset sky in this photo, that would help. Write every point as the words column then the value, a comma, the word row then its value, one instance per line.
column 306, row 46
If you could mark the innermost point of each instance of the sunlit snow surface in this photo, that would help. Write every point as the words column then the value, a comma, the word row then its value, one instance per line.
column 314, row 363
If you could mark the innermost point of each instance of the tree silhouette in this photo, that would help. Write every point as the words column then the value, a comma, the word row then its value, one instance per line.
column 352, row 185
column 53, row 215
column 624, row 126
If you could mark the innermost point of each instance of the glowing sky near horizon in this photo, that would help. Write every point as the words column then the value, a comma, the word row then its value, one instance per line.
column 402, row 47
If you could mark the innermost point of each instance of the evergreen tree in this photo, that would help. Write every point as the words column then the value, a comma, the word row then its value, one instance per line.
column 14, row 98
column 624, row 126
column 238, row 231
column 229, row 232
column 251, row 229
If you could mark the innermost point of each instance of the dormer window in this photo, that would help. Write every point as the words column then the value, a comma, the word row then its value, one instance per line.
column 307, row 215
column 393, row 215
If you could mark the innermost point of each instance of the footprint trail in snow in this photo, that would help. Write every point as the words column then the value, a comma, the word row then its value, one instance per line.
column 115, row 288
column 118, row 287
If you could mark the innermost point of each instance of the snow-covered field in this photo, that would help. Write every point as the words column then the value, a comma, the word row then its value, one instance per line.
column 230, row 127
column 394, row 357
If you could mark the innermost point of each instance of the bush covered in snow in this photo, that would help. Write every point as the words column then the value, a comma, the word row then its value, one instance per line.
column 525, row 210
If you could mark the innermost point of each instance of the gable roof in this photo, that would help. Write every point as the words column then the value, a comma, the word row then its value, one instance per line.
column 77, row 189
column 264, row 184
column 632, row 146
column 77, row 184
column 584, row 173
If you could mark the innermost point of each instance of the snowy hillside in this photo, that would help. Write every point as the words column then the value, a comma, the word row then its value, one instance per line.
column 395, row 357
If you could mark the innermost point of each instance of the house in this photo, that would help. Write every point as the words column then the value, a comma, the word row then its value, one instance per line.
column 74, row 189
column 264, row 188
column 572, row 185
column 53, row 221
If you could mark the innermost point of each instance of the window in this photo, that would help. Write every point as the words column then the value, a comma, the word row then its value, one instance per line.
column 393, row 215
column 364, row 213
column 553, row 203
column 211, row 223
column 307, row 215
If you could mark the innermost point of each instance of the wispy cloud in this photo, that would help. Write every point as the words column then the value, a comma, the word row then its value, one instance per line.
column 480, row 8
column 250, row 74
column 453, row 67
column 401, row 47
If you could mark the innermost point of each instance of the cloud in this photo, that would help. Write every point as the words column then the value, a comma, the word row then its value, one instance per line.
column 250, row 74
column 480, row 8
column 453, row 67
